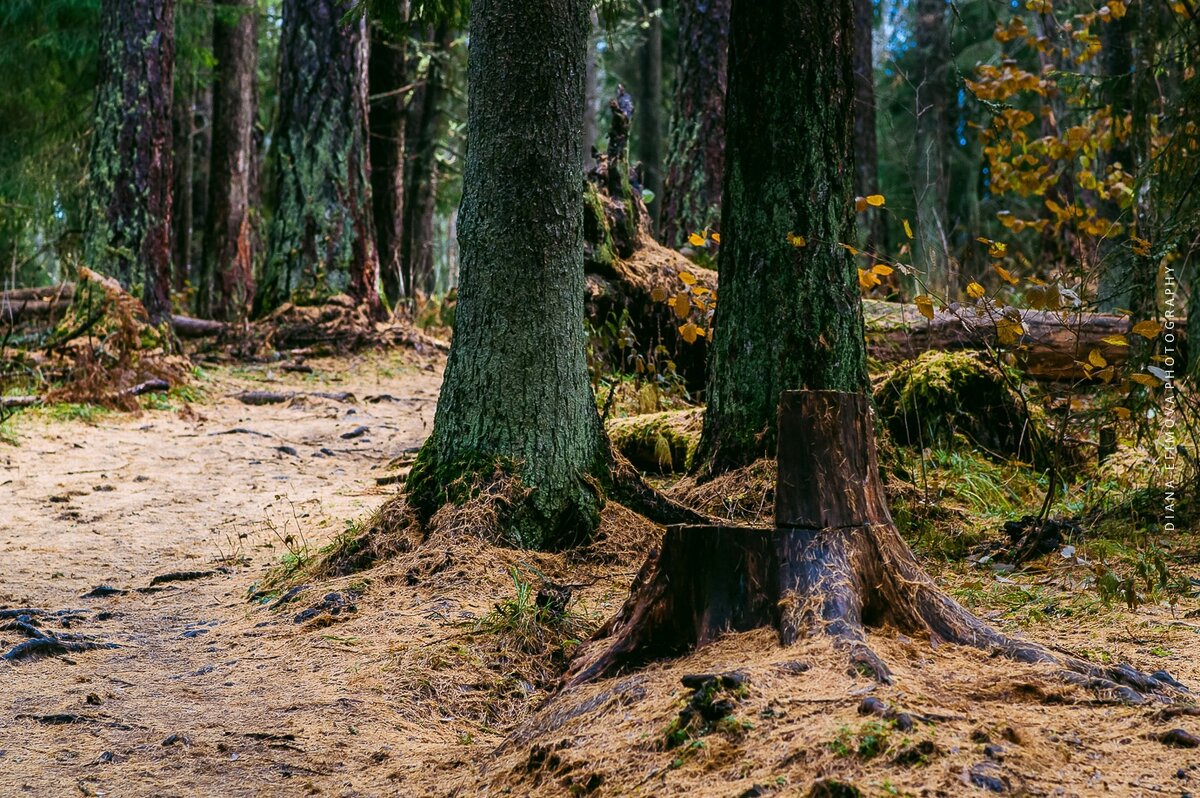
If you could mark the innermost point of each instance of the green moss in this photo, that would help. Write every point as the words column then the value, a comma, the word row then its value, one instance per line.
column 658, row 442
column 599, row 246
column 928, row 401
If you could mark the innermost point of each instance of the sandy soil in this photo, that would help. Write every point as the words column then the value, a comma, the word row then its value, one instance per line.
column 387, row 687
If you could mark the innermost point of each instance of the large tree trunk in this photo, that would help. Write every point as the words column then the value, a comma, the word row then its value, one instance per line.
column 421, row 171
column 834, row 565
column 931, row 183
column 866, row 157
column 650, row 102
column 227, row 282
column 788, row 316
column 389, row 104
column 321, row 240
column 516, row 396
column 127, row 233
column 691, row 199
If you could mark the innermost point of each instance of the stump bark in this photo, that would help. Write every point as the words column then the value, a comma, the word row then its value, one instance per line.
column 834, row 564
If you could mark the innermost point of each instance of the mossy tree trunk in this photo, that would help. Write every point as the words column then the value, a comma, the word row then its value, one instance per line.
column 931, row 183
column 788, row 317
column 227, row 284
column 388, row 76
column 692, row 187
column 321, row 240
column 127, row 233
column 516, row 396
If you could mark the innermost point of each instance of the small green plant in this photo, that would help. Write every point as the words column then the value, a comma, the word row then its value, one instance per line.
column 866, row 741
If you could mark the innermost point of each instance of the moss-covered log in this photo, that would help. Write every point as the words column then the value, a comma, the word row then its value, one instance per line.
column 660, row 443
column 321, row 240
column 927, row 401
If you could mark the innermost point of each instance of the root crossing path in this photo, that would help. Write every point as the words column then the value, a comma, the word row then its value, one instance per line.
column 129, row 546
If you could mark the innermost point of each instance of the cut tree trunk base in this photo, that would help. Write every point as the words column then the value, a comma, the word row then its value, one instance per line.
column 834, row 564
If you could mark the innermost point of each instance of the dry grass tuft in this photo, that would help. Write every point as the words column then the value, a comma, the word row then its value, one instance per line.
column 743, row 496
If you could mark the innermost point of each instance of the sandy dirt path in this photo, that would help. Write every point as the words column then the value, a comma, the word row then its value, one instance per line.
column 207, row 693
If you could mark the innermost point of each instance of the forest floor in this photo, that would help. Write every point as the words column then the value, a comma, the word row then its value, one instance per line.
column 410, row 679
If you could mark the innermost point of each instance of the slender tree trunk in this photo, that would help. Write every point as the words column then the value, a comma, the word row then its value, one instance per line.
column 201, row 177
column 696, row 156
column 321, row 240
column 591, row 100
column 127, row 233
column 650, row 110
column 388, row 77
column 516, row 396
column 420, row 191
column 227, row 283
column 183, row 135
column 866, row 157
column 1116, row 61
column 931, row 183
column 788, row 317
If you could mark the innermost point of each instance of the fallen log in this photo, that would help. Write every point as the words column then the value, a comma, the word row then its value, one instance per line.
column 45, row 304
column 1050, row 345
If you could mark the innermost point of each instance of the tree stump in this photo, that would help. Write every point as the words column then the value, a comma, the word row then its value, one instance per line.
column 833, row 564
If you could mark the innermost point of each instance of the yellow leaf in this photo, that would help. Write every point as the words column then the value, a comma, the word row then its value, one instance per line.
column 716, row 237
column 658, row 294
column 975, row 291
column 1144, row 379
column 925, row 305
column 696, row 240
column 682, row 305
column 687, row 277
column 1147, row 329
column 867, row 279
column 997, row 249
column 882, row 269
column 1122, row 412
column 1097, row 359
column 688, row 332
column 849, row 249
column 1009, row 331
column 795, row 240
column 876, row 200
column 908, row 230
column 1005, row 274
column 860, row 204
column 1115, row 340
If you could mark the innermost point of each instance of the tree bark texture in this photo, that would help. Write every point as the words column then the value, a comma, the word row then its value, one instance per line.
column 227, row 284
column 516, row 395
column 127, row 233
column 931, row 183
column 692, row 187
column 389, row 103
column 321, row 240
column 421, row 170
column 788, row 316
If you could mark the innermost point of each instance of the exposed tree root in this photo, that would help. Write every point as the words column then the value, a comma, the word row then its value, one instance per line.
column 41, row 643
column 834, row 565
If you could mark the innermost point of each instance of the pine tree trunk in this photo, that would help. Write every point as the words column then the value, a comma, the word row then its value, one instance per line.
column 420, row 181
column 227, row 283
column 650, row 109
column 183, row 136
column 516, row 396
column 388, row 76
column 866, row 150
column 591, row 100
column 788, row 316
column 931, row 183
column 321, row 240
column 127, row 233
column 692, row 188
